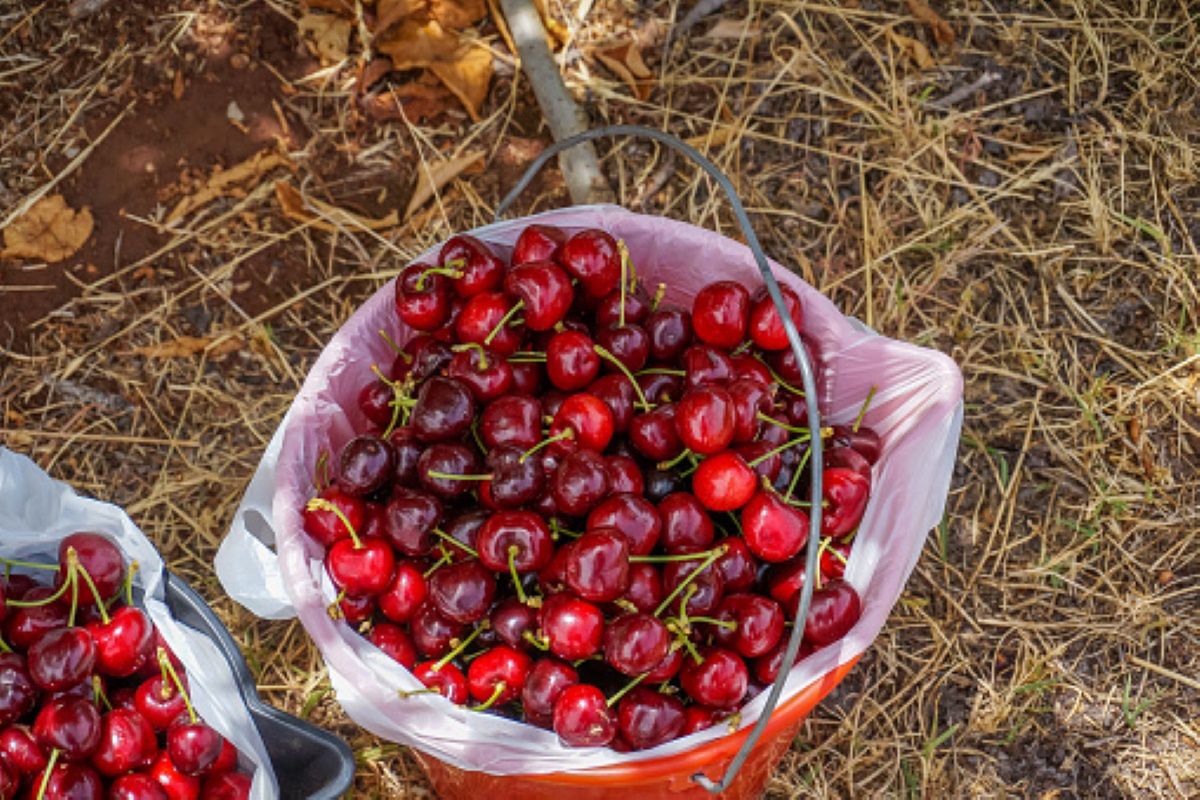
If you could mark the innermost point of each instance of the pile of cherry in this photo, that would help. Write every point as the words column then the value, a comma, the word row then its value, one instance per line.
column 93, row 704
column 577, row 506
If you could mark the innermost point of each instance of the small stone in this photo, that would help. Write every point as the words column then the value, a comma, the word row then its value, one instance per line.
column 234, row 112
column 239, row 61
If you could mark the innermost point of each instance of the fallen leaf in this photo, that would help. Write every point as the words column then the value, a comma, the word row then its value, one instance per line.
column 553, row 27
column 731, row 29
column 389, row 12
column 327, row 36
column 186, row 346
column 457, row 14
column 943, row 34
column 49, row 231
column 625, row 60
column 415, row 44
column 326, row 216
column 468, row 76
column 717, row 138
column 918, row 52
column 433, row 177
column 416, row 99
column 225, row 181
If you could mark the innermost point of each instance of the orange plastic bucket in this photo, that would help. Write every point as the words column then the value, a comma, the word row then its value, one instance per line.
column 669, row 777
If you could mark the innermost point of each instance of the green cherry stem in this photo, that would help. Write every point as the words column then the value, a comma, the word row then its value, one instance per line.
column 670, row 463
column 4, row 648
column 616, row 362
column 661, row 371
column 540, row 644
column 624, row 253
column 781, row 424
column 129, row 573
column 527, row 357
column 710, row 559
column 466, row 346
column 512, row 569
column 447, row 271
column 441, row 562
column 780, row 380
column 566, row 433
column 321, row 504
column 796, row 475
column 54, row 754
column 98, row 696
column 624, row 690
column 448, row 538
column 788, row 445
column 508, row 315
column 659, row 293
column 448, row 476
column 725, row 624
column 669, row 559
column 395, row 347
column 168, row 668
column 45, row 601
column 862, row 412
column 501, row 687
column 12, row 562
column 463, row 645
column 82, row 572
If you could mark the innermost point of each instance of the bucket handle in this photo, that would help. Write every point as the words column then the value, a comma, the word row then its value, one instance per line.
column 810, row 400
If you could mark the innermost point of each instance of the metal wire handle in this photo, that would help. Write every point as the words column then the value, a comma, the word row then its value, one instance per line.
column 810, row 402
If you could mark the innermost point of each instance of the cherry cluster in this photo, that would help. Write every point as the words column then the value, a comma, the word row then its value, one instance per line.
column 93, row 704
column 576, row 505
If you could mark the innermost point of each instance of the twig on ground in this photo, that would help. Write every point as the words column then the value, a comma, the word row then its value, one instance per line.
column 966, row 92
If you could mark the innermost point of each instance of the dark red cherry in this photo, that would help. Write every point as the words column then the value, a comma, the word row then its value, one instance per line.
column 463, row 592
column 513, row 420
column 618, row 394
column 511, row 620
column 645, row 587
column 774, row 530
column 724, row 482
column 703, row 364
column 592, row 258
column 422, row 298
column 174, row 783
column 766, row 667
column 849, row 459
column 18, row 692
column 447, row 679
column 582, row 717
column 365, row 465
column 422, row 357
column 633, row 517
column 608, row 310
column 758, row 620
column 720, row 680
column 61, row 659
column 226, row 786
column 123, row 643
column 20, row 751
column 750, row 398
column 159, row 701
column 833, row 560
column 483, row 321
column 739, row 570
column 787, row 367
column 704, row 419
column 527, row 376
column 410, row 517
column 444, row 410
column 846, row 493
column 519, row 537
column 686, row 526
column 516, row 480
column 327, row 527
column 766, row 326
column 865, row 441
column 653, row 434
column 406, row 450
column 70, row 724
column 544, row 289
column 628, row 343
column 646, row 718
column 374, row 401
column 127, row 742
column 579, row 483
column 662, row 482
column 498, row 675
column 68, row 782
column 442, row 459
column 394, row 642
column 721, row 314
column 835, row 609
column 192, row 746
column 624, row 475
column 747, row 367
column 552, row 578
column 670, row 333
column 668, row 668
column 432, row 633
column 571, row 360
column 573, row 628
column 598, row 565
column 486, row 374
column 136, row 786
column 709, row 588
column 784, row 581
column 697, row 718
column 661, row 387
column 356, row 610
column 100, row 557
column 464, row 529
column 768, row 463
column 478, row 268
column 537, row 243
column 635, row 643
column 405, row 593
column 589, row 421
column 364, row 570
column 548, row 678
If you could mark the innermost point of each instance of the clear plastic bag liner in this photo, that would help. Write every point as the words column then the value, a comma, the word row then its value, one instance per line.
column 37, row 512
column 917, row 410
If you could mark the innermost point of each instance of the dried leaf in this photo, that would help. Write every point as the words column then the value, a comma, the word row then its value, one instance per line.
column 186, row 346
column 625, row 60
column 553, row 27
column 434, row 177
column 325, row 216
column 389, row 12
column 468, row 76
column 718, row 137
column 918, row 52
column 327, row 36
column 457, row 14
column 226, row 181
column 49, row 231
column 417, row 99
column 943, row 34
column 415, row 44
column 732, row 29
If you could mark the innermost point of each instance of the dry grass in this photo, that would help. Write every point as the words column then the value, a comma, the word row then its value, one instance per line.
column 1042, row 228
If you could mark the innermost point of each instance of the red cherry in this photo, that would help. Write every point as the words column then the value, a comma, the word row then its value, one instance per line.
column 635, row 643
column 670, row 333
column 127, row 742
column 759, row 624
column 193, row 746
column 598, row 565
column 661, row 387
column 410, row 517
column 159, row 702
column 422, row 298
column 720, row 679
column 748, row 368
column 645, row 587
column 724, row 482
column 703, row 364
column 835, row 609
column 545, row 291
column 546, row 682
column 624, row 475
column 326, row 526
column 686, row 526
column 667, row 669
column 580, row 482
column 483, row 318
column 516, row 480
column 849, row 459
column 374, row 401
column 739, row 570
column 364, row 570
column 766, row 326
column 608, row 310
column 463, row 592
column 421, row 357
column 833, row 560
column 464, row 529
column 589, row 420
column 18, row 691
column 365, row 465
column 446, row 458
column 552, row 578
column 123, row 643
column 654, row 433
column 432, row 633
column 176, row 785
column 227, row 761
column 582, row 717
column 705, row 420
column 512, row 420
column 618, row 394
column 537, row 243
column 486, row 374
column 69, row 724
column 447, row 679
column 721, row 314
column 864, row 441
column 511, row 620
column 404, row 594
column 101, row 558
column 519, row 537
column 61, row 659
column 574, row 628
column 633, row 517
column 356, row 610
column 591, row 257
column 646, row 718
column 68, row 781
column 444, row 410
column 697, row 718
column 498, row 675
column 846, row 493
column 20, row 751
column 750, row 398
column 136, row 786
column 774, row 531
column 394, row 642
column 571, row 360
column 628, row 343
column 709, row 588
column 226, row 786
column 480, row 270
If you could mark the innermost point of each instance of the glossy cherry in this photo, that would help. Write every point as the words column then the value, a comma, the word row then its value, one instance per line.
column 18, row 692
column 326, row 526
column 516, row 480
column 226, row 786
column 545, row 291
column 705, row 419
column 174, row 783
column 645, row 590
column 774, row 530
column 580, row 482
column 512, row 620
column 70, row 724
column 483, row 321
column 635, row 643
column 724, row 482
column 410, row 517
column 833, row 560
column 758, row 624
column 364, row 569
column 498, row 675
column 846, row 493
column 628, row 343
column 765, row 325
column 583, row 421
column 422, row 298
column 739, row 570
column 477, row 267
column 394, row 642
column 547, row 680
column 486, row 374
column 865, row 441
column 703, row 364
column 365, row 465
column 704, row 591
column 463, row 592
column 68, row 782
column 20, row 751
column 633, row 517
column 698, row 718
column 444, row 410
column 521, row 538
column 835, row 609
column 512, row 420
column 571, row 360
column 609, row 310
column 405, row 593
column 721, row 314
column 646, row 718
column 123, row 643
column 136, row 786
column 61, row 659
column 101, row 558
column 598, row 565
column 670, row 333
column 720, row 679
column 592, row 258
column 537, row 243
column 582, row 717
column 573, row 628
column 654, row 435
column 447, row 679
column 159, row 701
column 127, row 742
column 433, row 633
